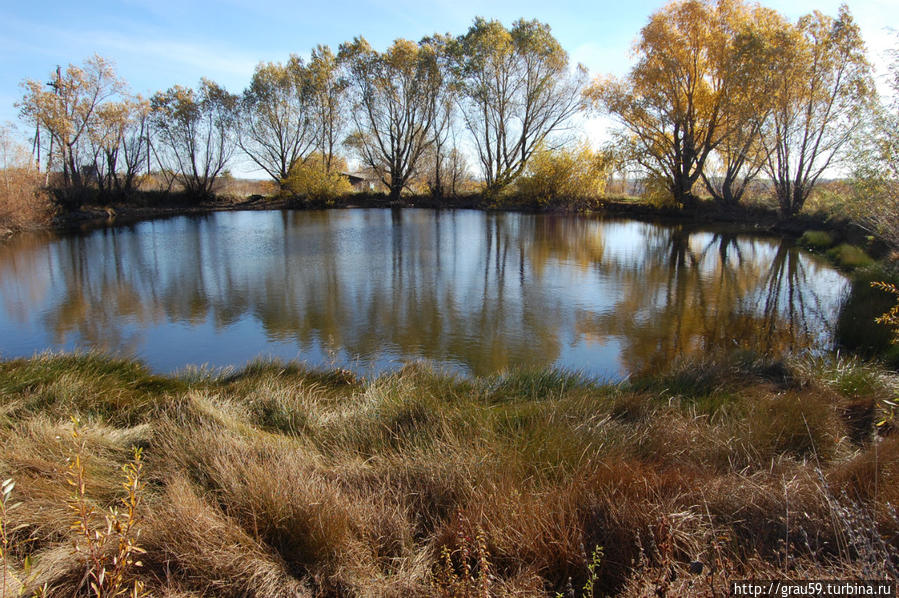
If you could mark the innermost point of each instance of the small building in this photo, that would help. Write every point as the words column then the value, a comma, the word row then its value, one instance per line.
column 360, row 182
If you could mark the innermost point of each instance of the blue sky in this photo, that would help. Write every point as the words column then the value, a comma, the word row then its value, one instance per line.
column 158, row 43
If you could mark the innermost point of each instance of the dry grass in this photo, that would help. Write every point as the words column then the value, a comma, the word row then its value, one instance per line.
column 278, row 481
column 23, row 201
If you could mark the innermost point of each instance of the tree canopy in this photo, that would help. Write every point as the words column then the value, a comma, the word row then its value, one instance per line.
column 394, row 106
column 515, row 90
column 195, row 133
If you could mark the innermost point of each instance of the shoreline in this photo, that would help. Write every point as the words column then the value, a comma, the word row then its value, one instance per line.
column 749, row 218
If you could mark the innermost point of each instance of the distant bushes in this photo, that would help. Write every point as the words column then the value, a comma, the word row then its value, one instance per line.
column 816, row 239
column 849, row 257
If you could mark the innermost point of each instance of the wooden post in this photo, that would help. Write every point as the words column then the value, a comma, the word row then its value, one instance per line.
column 55, row 85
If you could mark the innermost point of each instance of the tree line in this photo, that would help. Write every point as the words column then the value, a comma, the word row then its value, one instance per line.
column 398, row 111
column 722, row 94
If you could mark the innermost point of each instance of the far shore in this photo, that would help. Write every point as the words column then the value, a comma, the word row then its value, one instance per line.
column 751, row 217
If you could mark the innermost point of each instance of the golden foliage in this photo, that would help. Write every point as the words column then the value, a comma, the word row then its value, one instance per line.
column 67, row 110
column 312, row 180
column 676, row 102
column 395, row 95
column 822, row 86
column 562, row 174
column 515, row 90
column 890, row 318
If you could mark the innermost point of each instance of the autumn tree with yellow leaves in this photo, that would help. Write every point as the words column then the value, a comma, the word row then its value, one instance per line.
column 277, row 128
column 688, row 91
column 68, row 111
column 119, row 142
column 723, row 91
column 195, row 134
column 516, row 89
column 823, row 89
column 739, row 156
column 328, row 87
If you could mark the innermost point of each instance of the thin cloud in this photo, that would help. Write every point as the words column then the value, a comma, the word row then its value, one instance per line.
column 213, row 59
column 123, row 48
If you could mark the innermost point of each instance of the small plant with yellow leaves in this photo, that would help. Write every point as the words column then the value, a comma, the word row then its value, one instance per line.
column 110, row 550
column 891, row 319
column 464, row 581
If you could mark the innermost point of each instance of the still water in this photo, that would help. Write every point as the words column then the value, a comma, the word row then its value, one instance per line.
column 469, row 291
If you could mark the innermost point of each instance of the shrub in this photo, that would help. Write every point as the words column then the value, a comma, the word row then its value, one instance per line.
column 816, row 239
column 311, row 180
column 555, row 175
column 23, row 201
column 655, row 190
column 849, row 257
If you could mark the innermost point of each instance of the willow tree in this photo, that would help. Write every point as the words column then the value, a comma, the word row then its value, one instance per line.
column 442, row 167
column 65, row 109
column 823, row 87
column 195, row 134
column 277, row 126
column 516, row 89
column 739, row 156
column 393, row 93
column 120, row 145
column 677, row 103
column 328, row 89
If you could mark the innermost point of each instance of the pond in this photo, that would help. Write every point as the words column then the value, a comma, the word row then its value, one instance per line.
column 469, row 291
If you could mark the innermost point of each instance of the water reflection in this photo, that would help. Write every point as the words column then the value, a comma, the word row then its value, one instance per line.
column 370, row 289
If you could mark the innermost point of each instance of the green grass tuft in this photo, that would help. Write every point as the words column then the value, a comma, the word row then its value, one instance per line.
column 817, row 240
column 849, row 257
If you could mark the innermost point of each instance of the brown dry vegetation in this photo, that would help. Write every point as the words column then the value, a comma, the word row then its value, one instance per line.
column 23, row 201
column 280, row 481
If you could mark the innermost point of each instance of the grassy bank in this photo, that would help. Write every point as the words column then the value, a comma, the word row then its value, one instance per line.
column 279, row 481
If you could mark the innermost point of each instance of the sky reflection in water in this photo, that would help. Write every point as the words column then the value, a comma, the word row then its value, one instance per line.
column 473, row 292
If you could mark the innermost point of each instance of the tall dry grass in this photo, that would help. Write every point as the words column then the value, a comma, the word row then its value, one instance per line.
column 24, row 202
column 280, row 481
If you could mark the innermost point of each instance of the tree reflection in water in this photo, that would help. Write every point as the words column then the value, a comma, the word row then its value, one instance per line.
column 469, row 290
